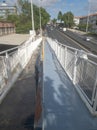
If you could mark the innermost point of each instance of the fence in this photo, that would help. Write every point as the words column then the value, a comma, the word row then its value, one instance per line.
column 81, row 70
column 13, row 61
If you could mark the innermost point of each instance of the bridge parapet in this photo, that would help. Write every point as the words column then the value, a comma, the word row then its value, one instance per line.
column 13, row 61
column 81, row 70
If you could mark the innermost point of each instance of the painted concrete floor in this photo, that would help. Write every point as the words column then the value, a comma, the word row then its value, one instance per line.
column 63, row 108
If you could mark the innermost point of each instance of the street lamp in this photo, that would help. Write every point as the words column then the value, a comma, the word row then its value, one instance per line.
column 87, row 24
column 33, row 29
column 40, row 19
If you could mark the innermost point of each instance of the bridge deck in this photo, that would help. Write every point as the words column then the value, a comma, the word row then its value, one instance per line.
column 63, row 108
column 17, row 109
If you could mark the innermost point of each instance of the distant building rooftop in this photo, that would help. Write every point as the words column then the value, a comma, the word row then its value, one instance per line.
column 94, row 14
column 14, row 39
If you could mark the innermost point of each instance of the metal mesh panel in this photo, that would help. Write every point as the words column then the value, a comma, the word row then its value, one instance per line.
column 14, row 59
column 1, row 65
column 85, row 78
column 83, row 71
column 70, row 63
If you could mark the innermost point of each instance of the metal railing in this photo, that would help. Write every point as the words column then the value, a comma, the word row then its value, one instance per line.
column 13, row 61
column 81, row 71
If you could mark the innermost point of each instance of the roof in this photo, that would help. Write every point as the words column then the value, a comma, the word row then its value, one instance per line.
column 7, row 7
column 94, row 14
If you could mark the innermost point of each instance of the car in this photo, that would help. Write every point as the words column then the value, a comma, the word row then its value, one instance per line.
column 87, row 39
column 64, row 29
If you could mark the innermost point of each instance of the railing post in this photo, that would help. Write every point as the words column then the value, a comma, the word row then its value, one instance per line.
column 59, row 52
column 95, row 102
column 8, row 69
column 65, row 57
column 94, row 96
column 63, row 60
column 56, row 49
column 75, row 68
column 94, row 89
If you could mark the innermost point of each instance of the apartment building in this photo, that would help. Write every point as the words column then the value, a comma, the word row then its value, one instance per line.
column 76, row 20
column 90, row 20
column 6, row 9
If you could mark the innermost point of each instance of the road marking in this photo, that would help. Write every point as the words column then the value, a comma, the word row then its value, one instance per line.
column 74, row 42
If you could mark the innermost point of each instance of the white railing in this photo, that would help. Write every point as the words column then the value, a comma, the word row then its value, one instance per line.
column 81, row 71
column 13, row 61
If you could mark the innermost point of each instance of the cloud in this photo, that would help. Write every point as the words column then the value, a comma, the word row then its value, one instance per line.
column 93, row 5
column 43, row 3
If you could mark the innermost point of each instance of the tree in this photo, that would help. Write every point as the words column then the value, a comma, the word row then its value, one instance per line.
column 60, row 16
column 68, row 19
column 23, row 20
column 54, row 21
column 83, row 27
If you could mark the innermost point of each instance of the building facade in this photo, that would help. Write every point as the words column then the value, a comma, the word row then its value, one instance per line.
column 7, row 10
column 91, row 20
column 6, row 28
column 76, row 20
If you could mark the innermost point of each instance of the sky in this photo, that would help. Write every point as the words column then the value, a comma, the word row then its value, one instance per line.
column 77, row 7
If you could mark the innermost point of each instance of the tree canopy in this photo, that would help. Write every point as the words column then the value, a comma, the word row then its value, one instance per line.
column 67, row 18
column 60, row 16
column 23, row 19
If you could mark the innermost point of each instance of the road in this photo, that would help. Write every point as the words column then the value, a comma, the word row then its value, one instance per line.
column 75, row 42
column 91, row 46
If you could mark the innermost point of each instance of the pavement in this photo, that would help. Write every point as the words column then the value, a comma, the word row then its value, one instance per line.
column 63, row 107
column 14, row 39
column 17, row 109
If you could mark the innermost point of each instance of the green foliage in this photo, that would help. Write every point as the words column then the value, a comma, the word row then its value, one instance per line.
column 54, row 21
column 68, row 19
column 60, row 15
column 83, row 27
column 23, row 21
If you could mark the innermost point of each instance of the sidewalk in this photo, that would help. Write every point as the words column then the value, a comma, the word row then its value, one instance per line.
column 17, row 109
column 63, row 108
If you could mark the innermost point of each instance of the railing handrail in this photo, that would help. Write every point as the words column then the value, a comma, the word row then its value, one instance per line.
column 82, row 71
column 75, row 49
column 2, row 52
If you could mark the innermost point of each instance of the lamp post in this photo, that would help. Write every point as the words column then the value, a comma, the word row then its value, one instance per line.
column 87, row 24
column 32, row 16
column 40, row 18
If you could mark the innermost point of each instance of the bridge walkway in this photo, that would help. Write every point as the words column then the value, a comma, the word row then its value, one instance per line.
column 17, row 109
column 63, row 108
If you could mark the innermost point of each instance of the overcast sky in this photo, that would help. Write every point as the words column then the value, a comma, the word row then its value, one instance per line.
column 78, row 7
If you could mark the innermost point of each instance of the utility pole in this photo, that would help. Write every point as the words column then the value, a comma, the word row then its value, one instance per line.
column 87, row 25
column 32, row 16
column 40, row 18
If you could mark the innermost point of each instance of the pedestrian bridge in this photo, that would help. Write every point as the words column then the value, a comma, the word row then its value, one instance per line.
column 67, row 97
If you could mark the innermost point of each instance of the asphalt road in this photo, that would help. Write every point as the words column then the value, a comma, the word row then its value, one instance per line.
column 91, row 46
column 75, row 42
column 60, row 37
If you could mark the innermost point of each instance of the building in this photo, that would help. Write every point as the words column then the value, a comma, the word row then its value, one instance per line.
column 76, row 20
column 6, row 28
column 7, row 10
column 91, row 20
